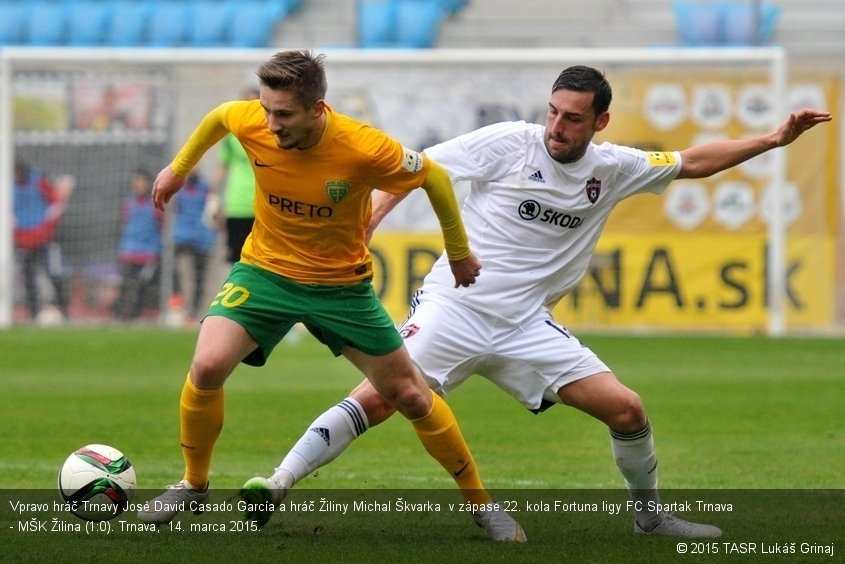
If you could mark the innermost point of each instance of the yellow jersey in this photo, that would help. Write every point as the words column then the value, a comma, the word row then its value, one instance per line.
column 312, row 206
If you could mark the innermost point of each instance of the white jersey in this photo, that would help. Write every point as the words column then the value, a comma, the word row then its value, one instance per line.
column 534, row 222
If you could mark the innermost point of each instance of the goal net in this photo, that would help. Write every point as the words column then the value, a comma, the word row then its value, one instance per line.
column 710, row 255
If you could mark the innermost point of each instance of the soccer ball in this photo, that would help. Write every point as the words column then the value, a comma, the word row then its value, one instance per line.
column 97, row 482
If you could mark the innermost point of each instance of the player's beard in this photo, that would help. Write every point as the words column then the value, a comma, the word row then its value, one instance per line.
column 567, row 151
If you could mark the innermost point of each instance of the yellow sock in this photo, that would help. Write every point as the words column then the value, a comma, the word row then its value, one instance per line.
column 442, row 438
column 201, row 418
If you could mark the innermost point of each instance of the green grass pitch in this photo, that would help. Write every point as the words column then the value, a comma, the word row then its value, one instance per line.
column 753, row 423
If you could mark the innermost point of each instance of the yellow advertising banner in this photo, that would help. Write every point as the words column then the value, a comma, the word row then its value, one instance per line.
column 691, row 281
column 713, row 282
column 671, row 112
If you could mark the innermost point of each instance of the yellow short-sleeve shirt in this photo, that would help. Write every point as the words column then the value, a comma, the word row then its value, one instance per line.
column 312, row 206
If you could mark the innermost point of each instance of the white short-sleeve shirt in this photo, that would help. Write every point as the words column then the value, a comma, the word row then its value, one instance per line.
column 532, row 221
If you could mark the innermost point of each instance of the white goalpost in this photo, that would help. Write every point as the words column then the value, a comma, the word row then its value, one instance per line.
column 149, row 99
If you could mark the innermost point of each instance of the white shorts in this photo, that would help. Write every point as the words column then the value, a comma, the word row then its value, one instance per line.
column 450, row 342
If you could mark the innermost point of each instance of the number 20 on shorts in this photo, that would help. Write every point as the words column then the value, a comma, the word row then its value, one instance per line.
column 231, row 295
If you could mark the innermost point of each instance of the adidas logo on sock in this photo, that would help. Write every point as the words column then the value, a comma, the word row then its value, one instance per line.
column 324, row 433
column 537, row 177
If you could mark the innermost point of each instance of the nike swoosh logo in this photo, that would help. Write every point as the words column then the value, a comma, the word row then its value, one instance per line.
column 183, row 445
column 459, row 472
column 259, row 164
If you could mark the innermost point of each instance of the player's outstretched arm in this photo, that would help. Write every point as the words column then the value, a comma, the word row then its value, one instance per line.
column 709, row 158
column 799, row 122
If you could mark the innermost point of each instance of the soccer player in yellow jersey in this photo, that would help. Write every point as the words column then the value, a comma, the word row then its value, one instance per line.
column 306, row 260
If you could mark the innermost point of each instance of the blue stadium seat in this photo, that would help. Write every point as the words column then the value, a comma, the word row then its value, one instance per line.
column 209, row 26
column 254, row 22
column 128, row 23
column 725, row 22
column 399, row 23
column 452, row 7
column 698, row 22
column 47, row 22
column 292, row 5
column 751, row 23
column 377, row 23
column 169, row 23
column 13, row 18
column 418, row 23
column 87, row 22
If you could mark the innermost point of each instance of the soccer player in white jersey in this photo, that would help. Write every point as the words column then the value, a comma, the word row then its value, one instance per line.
column 539, row 199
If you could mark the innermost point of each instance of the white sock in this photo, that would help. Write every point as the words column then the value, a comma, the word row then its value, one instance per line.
column 635, row 457
column 325, row 439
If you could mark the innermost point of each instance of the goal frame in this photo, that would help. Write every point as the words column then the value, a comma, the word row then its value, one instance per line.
column 774, row 59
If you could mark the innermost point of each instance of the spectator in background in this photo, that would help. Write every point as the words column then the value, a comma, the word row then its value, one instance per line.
column 235, row 181
column 39, row 204
column 139, row 248
column 194, row 239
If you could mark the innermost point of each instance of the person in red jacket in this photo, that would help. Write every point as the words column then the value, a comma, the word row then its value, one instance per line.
column 39, row 204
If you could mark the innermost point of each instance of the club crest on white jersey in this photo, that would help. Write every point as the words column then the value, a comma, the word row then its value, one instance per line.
column 593, row 189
